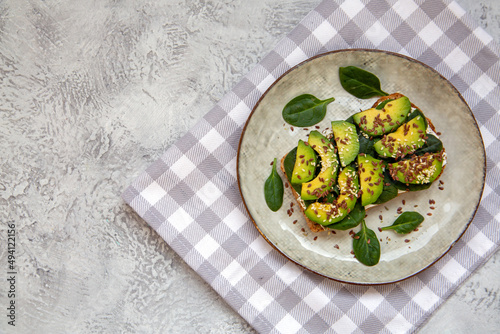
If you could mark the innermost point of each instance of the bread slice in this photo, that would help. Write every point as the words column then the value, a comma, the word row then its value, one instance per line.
column 315, row 227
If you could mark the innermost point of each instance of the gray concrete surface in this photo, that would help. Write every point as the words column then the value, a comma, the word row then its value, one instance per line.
column 75, row 80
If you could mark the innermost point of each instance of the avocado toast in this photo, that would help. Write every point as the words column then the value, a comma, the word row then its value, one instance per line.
column 366, row 160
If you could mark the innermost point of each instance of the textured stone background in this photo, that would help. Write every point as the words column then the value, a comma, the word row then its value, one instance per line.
column 92, row 92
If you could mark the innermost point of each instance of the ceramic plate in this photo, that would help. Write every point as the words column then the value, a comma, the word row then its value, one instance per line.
column 266, row 136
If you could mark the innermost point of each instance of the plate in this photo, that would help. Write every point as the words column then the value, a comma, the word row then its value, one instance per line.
column 266, row 136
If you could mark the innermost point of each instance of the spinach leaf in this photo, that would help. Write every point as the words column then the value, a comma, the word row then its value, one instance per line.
column 366, row 246
column 366, row 145
column 305, row 110
column 389, row 191
column 406, row 222
column 432, row 145
column 410, row 187
column 382, row 105
column 288, row 164
column 355, row 217
column 360, row 83
column 273, row 189
column 332, row 196
column 351, row 120
column 416, row 113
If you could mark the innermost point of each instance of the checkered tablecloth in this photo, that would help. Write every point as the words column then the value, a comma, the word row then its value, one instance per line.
column 190, row 195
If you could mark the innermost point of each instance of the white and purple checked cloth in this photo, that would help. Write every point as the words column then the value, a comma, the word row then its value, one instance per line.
column 190, row 195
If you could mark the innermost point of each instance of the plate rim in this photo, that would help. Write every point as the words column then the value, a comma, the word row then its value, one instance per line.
column 484, row 169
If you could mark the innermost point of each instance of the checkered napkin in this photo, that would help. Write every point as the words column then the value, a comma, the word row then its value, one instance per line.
column 190, row 195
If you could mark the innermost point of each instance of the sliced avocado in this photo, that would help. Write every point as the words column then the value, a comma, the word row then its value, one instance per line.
column 305, row 164
column 419, row 169
column 371, row 178
column 346, row 138
column 408, row 138
column 328, row 213
column 376, row 122
column 325, row 180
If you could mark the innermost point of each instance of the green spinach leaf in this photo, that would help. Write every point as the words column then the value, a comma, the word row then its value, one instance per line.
column 273, row 189
column 366, row 145
column 388, row 192
column 355, row 217
column 305, row 110
column 289, row 162
column 351, row 120
column 360, row 83
column 332, row 196
column 416, row 113
column 432, row 145
column 406, row 222
column 410, row 187
column 366, row 246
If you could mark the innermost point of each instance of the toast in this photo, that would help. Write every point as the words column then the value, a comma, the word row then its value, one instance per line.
column 316, row 227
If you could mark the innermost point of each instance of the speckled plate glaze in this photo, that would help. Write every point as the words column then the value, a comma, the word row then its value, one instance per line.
column 266, row 136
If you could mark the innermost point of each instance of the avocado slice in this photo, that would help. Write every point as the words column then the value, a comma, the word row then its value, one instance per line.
column 328, row 213
column 371, row 178
column 305, row 164
column 419, row 169
column 408, row 138
column 347, row 141
column 325, row 180
column 376, row 122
